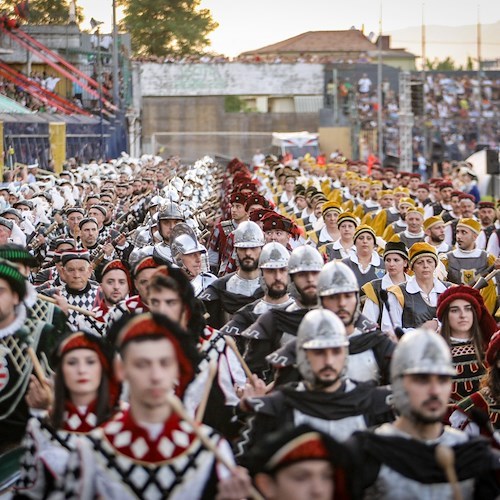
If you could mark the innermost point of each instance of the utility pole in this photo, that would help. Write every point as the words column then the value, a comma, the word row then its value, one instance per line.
column 479, row 75
column 423, row 43
column 116, row 78
column 335, row 96
column 424, row 123
column 380, row 125
column 405, row 123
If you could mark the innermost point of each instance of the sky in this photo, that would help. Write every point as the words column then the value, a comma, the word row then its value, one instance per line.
column 246, row 25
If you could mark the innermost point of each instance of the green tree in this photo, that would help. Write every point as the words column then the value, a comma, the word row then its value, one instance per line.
column 167, row 27
column 43, row 11
column 235, row 104
column 470, row 64
column 447, row 64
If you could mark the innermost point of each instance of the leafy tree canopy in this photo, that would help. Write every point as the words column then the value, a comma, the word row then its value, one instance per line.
column 167, row 27
column 448, row 64
column 43, row 11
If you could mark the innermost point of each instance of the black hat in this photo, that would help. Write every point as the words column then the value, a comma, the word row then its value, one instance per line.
column 7, row 223
column 61, row 241
column 101, row 209
column 68, row 255
column 12, row 211
column 26, row 203
column 86, row 220
column 70, row 210
column 396, row 247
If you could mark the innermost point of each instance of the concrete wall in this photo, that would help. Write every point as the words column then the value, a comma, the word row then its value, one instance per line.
column 194, row 126
column 231, row 79
column 183, row 106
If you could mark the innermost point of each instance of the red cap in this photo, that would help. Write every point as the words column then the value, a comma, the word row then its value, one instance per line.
column 146, row 263
column 256, row 199
column 486, row 321
column 465, row 196
column 147, row 325
column 258, row 215
column 485, row 204
column 117, row 265
column 248, row 186
column 238, row 198
column 272, row 220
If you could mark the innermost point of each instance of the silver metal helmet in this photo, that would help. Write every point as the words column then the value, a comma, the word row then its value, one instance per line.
column 248, row 234
column 142, row 238
column 183, row 241
column 155, row 201
column 305, row 258
column 273, row 256
column 170, row 211
column 319, row 329
column 418, row 352
column 336, row 277
column 140, row 253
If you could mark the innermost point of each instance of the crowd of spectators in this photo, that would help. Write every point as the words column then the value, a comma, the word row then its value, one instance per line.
column 460, row 112
column 254, row 59
column 32, row 102
column 17, row 94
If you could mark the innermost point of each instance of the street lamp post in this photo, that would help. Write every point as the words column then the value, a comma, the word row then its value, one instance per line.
column 380, row 123
column 95, row 25
column 116, row 78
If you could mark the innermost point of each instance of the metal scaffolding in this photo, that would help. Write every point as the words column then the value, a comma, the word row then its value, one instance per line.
column 405, row 123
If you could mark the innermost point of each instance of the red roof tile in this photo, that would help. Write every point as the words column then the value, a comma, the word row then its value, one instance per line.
column 320, row 41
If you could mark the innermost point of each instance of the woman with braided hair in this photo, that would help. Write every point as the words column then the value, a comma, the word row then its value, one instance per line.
column 85, row 395
column 467, row 327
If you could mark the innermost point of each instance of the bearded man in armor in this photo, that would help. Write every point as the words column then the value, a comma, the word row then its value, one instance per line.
column 403, row 460
column 224, row 296
column 326, row 398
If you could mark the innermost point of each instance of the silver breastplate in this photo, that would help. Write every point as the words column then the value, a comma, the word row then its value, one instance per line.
column 243, row 287
column 201, row 282
column 390, row 485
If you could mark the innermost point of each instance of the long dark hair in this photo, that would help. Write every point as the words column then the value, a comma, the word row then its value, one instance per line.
column 475, row 333
column 491, row 381
column 61, row 395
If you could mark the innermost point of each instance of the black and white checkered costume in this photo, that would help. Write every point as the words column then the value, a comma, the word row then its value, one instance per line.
column 44, row 460
column 110, row 463
column 84, row 299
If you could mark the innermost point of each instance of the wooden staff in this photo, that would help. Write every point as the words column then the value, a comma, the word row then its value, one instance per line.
column 232, row 344
column 178, row 408
column 37, row 367
column 212, row 370
column 445, row 457
column 80, row 310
